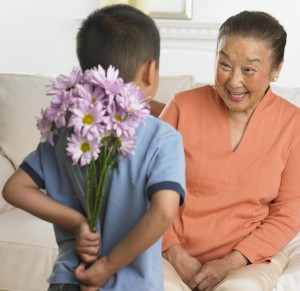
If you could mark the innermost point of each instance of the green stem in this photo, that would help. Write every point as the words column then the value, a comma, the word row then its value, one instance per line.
column 105, row 164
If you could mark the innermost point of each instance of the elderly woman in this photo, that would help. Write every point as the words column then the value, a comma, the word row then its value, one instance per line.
column 242, row 149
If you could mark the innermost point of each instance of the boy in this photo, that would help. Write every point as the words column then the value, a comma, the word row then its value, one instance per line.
column 145, row 189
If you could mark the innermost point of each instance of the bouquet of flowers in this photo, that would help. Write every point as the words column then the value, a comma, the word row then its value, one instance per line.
column 97, row 113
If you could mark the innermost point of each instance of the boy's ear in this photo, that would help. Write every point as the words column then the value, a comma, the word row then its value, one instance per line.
column 149, row 72
column 147, row 77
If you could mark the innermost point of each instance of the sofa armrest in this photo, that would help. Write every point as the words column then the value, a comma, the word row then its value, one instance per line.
column 290, row 278
column 6, row 170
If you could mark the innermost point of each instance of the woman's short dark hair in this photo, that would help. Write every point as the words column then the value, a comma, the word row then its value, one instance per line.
column 259, row 25
column 118, row 35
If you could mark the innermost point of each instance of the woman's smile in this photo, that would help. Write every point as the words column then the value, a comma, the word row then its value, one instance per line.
column 236, row 97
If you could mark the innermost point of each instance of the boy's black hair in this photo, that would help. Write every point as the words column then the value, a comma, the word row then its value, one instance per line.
column 118, row 35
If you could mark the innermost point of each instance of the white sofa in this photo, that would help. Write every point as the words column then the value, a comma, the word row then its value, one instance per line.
column 27, row 244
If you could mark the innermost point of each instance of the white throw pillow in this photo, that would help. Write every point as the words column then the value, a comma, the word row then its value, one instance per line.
column 170, row 85
column 21, row 98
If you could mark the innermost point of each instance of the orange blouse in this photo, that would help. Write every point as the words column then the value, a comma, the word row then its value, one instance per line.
column 247, row 199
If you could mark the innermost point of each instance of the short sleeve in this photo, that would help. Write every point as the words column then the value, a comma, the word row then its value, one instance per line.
column 166, row 170
column 32, row 165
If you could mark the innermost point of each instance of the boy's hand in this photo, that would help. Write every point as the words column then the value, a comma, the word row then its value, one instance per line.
column 95, row 276
column 87, row 242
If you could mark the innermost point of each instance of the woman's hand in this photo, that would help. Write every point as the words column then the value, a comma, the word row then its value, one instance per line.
column 87, row 242
column 213, row 272
column 185, row 265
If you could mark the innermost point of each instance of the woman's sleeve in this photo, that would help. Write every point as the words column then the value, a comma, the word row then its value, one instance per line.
column 283, row 222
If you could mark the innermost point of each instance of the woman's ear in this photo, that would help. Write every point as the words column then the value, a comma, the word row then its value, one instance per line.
column 276, row 72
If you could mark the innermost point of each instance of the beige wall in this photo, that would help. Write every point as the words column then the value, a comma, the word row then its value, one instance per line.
column 38, row 36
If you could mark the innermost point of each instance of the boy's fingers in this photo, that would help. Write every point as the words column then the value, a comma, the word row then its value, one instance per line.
column 90, row 239
column 80, row 268
column 88, row 288
column 88, row 259
column 80, row 275
column 93, row 251
column 87, row 243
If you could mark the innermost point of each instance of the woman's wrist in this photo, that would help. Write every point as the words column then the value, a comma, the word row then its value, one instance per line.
column 236, row 260
column 174, row 253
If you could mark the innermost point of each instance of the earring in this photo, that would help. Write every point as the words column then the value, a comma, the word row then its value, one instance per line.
column 275, row 79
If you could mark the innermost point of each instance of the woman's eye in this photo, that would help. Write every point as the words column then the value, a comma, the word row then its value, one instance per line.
column 249, row 70
column 224, row 66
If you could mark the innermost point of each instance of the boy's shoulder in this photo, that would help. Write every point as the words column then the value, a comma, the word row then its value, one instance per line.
column 159, row 126
column 158, row 132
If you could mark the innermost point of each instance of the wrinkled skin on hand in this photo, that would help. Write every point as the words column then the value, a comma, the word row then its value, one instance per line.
column 202, row 277
column 185, row 265
column 213, row 272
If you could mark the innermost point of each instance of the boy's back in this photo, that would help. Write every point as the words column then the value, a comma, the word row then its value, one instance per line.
column 157, row 165
column 144, row 189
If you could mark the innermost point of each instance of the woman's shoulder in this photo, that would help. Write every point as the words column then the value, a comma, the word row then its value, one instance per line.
column 197, row 94
column 287, row 106
column 196, row 91
column 287, row 113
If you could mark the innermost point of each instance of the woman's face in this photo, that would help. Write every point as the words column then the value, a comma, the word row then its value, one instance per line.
column 243, row 72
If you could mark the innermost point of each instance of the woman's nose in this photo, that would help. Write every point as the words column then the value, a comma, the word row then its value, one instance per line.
column 235, row 78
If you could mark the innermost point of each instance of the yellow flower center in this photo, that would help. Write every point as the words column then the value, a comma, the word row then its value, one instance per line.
column 85, row 147
column 70, row 88
column 118, row 117
column 88, row 119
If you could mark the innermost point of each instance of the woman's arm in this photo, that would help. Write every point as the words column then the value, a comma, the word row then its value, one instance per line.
column 283, row 221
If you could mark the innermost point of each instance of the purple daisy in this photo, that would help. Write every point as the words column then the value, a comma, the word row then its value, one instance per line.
column 119, row 121
column 63, row 82
column 87, row 119
column 127, row 146
column 80, row 148
column 108, row 80
column 59, row 107
column 45, row 127
column 132, row 100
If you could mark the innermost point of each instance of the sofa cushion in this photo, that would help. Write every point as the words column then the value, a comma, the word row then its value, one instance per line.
column 23, row 95
column 27, row 244
column 6, row 169
column 21, row 99
column 27, row 251
column 170, row 85
column 290, row 278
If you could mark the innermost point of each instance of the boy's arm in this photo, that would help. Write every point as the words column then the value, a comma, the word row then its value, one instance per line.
column 164, row 206
column 22, row 192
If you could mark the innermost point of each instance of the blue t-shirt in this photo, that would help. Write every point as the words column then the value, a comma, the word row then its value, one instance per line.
column 158, row 164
